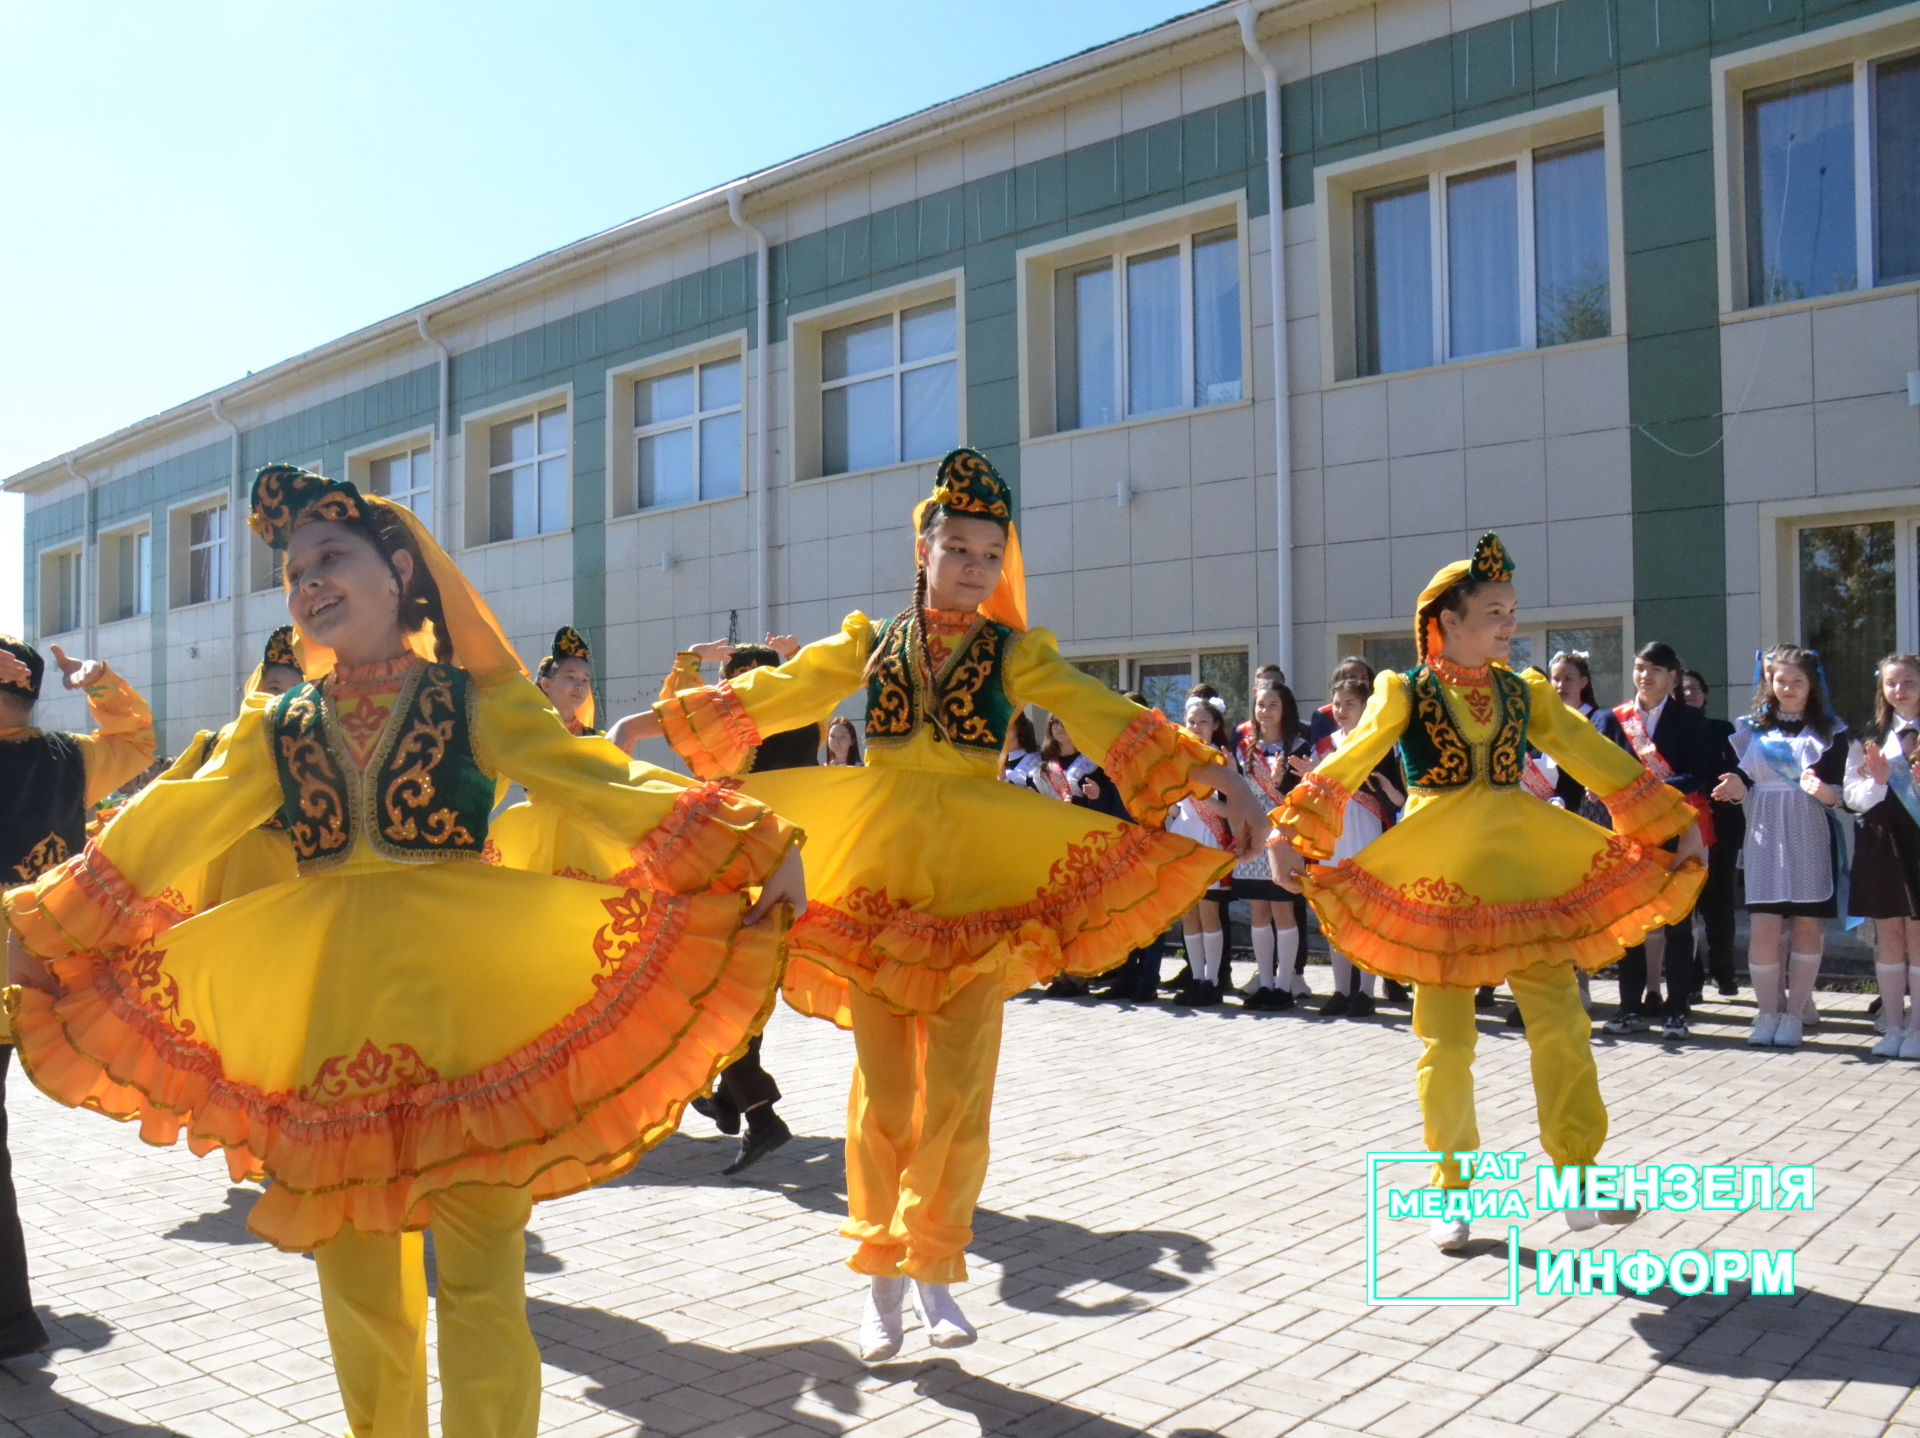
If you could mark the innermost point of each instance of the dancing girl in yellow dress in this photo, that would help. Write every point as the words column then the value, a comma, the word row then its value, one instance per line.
column 403, row 1036
column 937, row 890
column 1481, row 884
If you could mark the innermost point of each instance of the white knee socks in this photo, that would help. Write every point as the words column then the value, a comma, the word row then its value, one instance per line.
column 1342, row 971
column 1893, row 994
column 1263, row 953
column 1286, row 948
column 1766, row 986
column 1802, row 970
column 1214, row 945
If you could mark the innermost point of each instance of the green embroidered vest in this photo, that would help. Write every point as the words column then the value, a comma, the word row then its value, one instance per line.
column 966, row 703
column 423, row 797
column 1435, row 749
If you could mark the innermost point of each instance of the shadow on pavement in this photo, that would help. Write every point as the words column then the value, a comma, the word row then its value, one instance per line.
column 27, row 1396
column 810, row 1173
column 636, row 1367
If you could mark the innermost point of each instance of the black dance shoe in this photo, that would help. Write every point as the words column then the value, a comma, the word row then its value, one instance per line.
column 766, row 1131
column 725, row 1116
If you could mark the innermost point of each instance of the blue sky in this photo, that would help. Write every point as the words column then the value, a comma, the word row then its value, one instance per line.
column 198, row 191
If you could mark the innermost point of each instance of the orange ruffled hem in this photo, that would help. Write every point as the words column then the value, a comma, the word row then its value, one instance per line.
column 713, row 837
column 1117, row 892
column 710, row 729
column 686, row 989
column 1629, row 892
column 83, row 904
column 1648, row 811
column 1313, row 814
column 1155, row 764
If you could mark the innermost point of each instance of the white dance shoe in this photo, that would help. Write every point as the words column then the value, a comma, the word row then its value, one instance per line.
column 882, row 1326
column 947, row 1326
column 1449, row 1235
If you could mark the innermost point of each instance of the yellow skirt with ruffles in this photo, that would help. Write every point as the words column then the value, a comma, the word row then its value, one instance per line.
column 920, row 881
column 1478, row 882
column 369, row 1037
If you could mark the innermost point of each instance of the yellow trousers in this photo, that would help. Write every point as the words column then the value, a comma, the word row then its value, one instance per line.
column 373, row 1288
column 1566, row 1085
column 917, row 1122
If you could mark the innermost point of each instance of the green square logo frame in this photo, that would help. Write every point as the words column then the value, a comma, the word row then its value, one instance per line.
column 1376, row 1299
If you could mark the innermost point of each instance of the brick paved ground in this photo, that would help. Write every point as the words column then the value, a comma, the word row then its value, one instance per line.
column 1171, row 1243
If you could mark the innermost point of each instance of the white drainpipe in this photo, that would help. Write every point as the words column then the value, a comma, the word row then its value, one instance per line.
column 236, row 566
column 443, row 442
column 763, row 479
column 1282, row 378
column 89, row 569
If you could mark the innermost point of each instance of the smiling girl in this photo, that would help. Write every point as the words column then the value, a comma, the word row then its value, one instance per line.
column 1886, row 858
column 1792, row 753
column 1479, row 883
column 403, row 1036
column 924, row 918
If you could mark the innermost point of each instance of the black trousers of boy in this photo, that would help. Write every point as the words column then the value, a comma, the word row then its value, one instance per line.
column 1680, row 970
column 1721, row 896
column 744, row 1084
column 20, row 1330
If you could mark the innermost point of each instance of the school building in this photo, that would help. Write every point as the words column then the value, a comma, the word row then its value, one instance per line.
column 1636, row 282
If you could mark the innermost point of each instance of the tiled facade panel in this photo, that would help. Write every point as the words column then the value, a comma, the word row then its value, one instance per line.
column 1160, row 533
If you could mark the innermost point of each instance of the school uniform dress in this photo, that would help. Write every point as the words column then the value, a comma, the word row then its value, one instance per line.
column 48, row 782
column 1674, row 742
column 1791, row 856
column 1886, row 853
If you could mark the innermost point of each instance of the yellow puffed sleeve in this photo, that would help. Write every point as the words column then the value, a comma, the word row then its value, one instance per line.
column 685, row 674
column 1152, row 762
column 717, row 728
column 686, row 836
column 1643, row 809
column 106, row 895
column 122, row 741
column 1316, row 809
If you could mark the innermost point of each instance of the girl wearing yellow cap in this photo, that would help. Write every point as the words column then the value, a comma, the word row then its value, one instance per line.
column 1478, row 883
column 403, row 1036
column 923, row 917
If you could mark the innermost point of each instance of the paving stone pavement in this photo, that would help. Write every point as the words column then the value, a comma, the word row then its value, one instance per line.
column 1171, row 1242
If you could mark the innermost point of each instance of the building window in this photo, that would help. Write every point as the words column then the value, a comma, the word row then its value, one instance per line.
column 1148, row 332
column 889, row 388
column 1495, row 258
column 129, row 574
column 405, row 478
column 206, row 573
column 527, row 475
column 686, row 435
column 1165, row 679
column 1848, row 603
column 60, row 591
column 1813, row 148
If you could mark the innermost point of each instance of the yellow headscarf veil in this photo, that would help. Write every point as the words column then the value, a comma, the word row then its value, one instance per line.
column 285, row 497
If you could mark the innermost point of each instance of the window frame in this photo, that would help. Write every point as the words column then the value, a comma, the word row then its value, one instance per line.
column 360, row 463
column 805, row 332
column 895, row 373
column 1781, row 523
column 477, row 468
column 1129, row 658
column 1339, row 186
column 75, row 586
column 110, row 541
column 693, row 421
column 1861, row 44
column 181, row 548
column 622, row 435
column 1036, row 271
